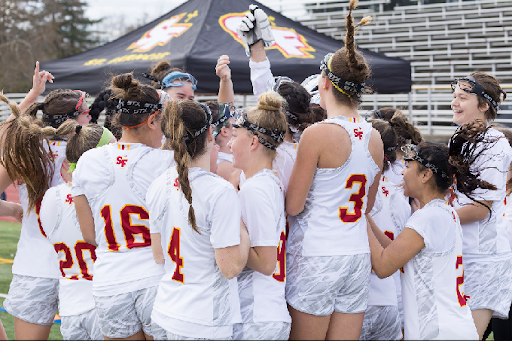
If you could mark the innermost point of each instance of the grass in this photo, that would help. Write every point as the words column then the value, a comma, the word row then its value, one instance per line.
column 9, row 236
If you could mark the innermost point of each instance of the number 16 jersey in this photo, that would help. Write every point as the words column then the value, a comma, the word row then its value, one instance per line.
column 333, row 217
column 115, row 179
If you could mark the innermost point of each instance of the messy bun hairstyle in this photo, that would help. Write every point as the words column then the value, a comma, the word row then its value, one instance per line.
column 349, row 64
column 268, row 114
column 126, row 87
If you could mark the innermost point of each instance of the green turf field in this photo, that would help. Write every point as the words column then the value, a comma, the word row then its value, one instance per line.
column 9, row 235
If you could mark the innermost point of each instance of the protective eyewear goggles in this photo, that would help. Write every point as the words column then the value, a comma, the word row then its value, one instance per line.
column 182, row 77
column 78, row 106
column 471, row 86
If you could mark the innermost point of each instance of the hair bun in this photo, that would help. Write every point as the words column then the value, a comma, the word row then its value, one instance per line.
column 124, row 81
column 271, row 101
column 78, row 128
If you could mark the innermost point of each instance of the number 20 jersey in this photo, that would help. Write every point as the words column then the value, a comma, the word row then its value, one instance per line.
column 115, row 178
column 333, row 216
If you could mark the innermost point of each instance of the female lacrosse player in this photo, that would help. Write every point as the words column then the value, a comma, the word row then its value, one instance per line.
column 196, row 233
column 486, row 251
column 330, row 189
column 109, row 188
column 59, row 222
column 261, row 285
column 36, row 165
column 430, row 246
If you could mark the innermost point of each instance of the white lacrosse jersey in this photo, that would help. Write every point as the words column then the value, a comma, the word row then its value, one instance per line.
column 433, row 280
column 394, row 172
column 283, row 163
column 115, row 178
column 221, row 157
column 390, row 213
column 76, row 257
column 333, row 216
column 262, row 201
column 193, row 289
column 35, row 256
column 508, row 216
column 488, row 238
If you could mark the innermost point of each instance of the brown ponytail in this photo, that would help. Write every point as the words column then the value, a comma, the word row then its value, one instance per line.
column 25, row 156
column 182, row 119
column 347, row 63
column 86, row 138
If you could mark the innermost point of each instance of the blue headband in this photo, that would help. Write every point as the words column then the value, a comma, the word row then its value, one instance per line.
column 185, row 77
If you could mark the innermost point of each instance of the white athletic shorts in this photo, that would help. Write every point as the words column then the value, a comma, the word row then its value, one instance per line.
column 171, row 336
column 489, row 286
column 158, row 332
column 262, row 331
column 381, row 323
column 33, row 299
column 81, row 327
column 123, row 315
column 321, row 285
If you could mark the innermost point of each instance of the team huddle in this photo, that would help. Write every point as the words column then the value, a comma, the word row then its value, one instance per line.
column 293, row 219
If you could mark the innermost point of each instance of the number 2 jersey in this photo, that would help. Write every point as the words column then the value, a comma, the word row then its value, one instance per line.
column 333, row 222
column 35, row 256
column 115, row 178
column 76, row 257
column 433, row 280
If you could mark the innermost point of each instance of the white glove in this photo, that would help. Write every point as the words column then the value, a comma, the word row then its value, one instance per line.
column 262, row 28
column 253, row 28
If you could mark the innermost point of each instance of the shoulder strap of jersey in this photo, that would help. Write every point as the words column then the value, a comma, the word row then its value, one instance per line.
column 58, row 202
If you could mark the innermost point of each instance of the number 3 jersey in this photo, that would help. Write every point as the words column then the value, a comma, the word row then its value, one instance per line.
column 433, row 280
column 333, row 222
column 114, row 179
column 76, row 257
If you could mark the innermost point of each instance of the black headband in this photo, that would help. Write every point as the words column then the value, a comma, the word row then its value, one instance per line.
column 136, row 107
column 242, row 122
column 339, row 83
column 207, row 123
column 411, row 153
column 476, row 89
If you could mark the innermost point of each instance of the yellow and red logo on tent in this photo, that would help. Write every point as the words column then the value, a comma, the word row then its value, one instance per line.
column 162, row 33
column 288, row 41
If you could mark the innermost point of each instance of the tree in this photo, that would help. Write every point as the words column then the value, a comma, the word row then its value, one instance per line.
column 42, row 30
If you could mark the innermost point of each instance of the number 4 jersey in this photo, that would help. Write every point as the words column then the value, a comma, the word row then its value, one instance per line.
column 114, row 179
column 333, row 217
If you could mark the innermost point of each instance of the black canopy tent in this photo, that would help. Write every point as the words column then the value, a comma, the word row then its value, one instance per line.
column 196, row 33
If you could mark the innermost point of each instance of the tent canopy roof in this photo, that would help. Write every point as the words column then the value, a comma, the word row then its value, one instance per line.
column 195, row 34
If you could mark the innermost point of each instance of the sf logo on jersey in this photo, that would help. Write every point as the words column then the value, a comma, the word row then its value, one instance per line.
column 69, row 199
column 122, row 161
column 176, row 184
column 385, row 191
column 358, row 133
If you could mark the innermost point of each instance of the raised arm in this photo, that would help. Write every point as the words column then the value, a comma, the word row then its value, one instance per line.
column 226, row 91
column 38, row 87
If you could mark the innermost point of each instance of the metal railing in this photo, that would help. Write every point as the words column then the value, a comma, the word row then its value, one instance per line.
column 427, row 107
